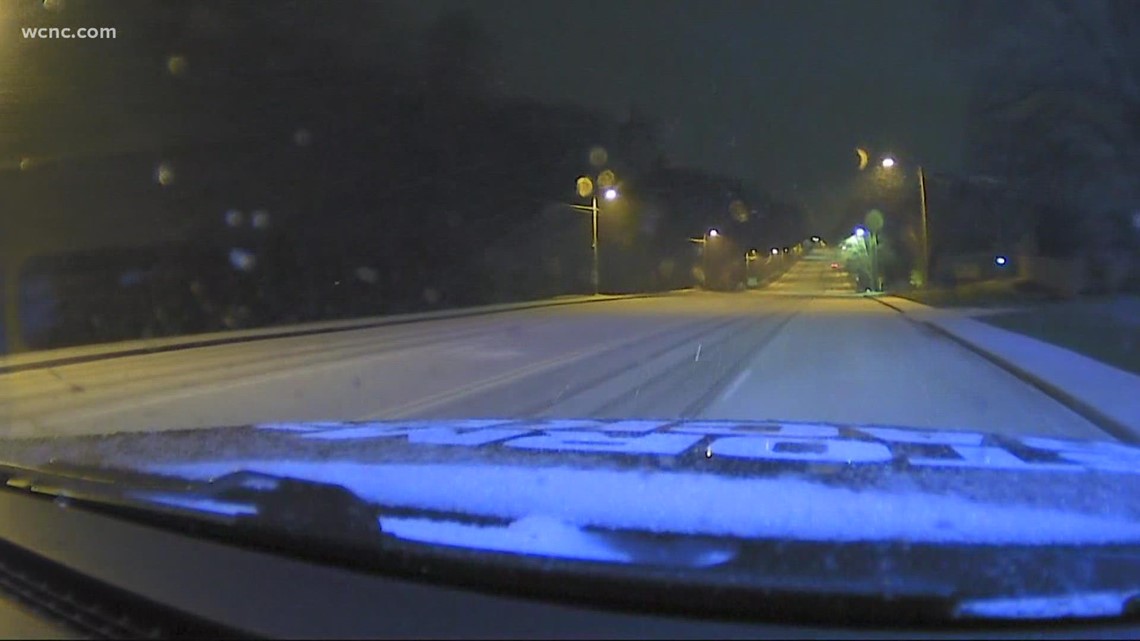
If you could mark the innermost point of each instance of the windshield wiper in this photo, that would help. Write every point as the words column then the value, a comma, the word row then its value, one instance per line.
column 250, row 503
column 749, row 578
column 280, row 503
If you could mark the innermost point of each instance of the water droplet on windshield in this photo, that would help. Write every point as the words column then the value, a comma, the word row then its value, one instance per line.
column 176, row 65
column 164, row 174
column 242, row 259
column 368, row 274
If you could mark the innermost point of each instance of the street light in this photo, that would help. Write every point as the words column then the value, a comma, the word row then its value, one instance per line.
column 703, row 241
column 748, row 258
column 712, row 233
column 586, row 188
column 861, row 234
column 889, row 162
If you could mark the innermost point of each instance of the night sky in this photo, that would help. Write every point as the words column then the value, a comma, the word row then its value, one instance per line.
column 774, row 91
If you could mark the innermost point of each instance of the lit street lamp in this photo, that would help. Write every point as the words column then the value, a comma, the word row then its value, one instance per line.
column 712, row 233
column 869, row 241
column 749, row 257
column 889, row 162
column 586, row 188
column 703, row 242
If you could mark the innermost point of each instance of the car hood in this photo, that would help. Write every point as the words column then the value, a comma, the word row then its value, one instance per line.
column 763, row 479
column 995, row 526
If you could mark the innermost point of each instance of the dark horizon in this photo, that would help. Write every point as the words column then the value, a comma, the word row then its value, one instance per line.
column 779, row 97
column 426, row 152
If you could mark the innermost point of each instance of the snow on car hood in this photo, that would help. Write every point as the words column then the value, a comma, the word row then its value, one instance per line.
column 987, row 525
column 804, row 481
column 686, row 503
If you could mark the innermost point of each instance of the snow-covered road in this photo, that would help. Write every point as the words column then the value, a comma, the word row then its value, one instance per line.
column 805, row 349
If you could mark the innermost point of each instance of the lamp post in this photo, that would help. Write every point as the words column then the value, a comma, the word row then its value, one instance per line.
column 586, row 188
column 703, row 241
column 889, row 162
column 609, row 194
column 867, row 240
column 925, row 228
column 749, row 258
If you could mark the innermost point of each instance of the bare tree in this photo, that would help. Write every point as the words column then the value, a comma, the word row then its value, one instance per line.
column 1056, row 99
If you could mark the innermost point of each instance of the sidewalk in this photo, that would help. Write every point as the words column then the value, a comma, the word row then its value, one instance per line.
column 1107, row 396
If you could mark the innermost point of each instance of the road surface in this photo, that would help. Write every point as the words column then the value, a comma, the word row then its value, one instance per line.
column 806, row 348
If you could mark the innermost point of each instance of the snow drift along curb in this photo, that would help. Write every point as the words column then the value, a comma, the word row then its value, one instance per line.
column 1121, row 422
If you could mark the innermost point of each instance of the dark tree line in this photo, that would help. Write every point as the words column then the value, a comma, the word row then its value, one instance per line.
column 1053, row 115
column 264, row 164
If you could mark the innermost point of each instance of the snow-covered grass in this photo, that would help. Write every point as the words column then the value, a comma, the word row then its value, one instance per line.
column 1097, row 329
column 989, row 293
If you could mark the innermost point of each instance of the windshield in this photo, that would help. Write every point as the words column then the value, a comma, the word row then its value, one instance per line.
column 497, row 259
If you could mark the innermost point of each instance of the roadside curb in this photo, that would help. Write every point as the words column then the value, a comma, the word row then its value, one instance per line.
column 1085, row 410
column 172, row 344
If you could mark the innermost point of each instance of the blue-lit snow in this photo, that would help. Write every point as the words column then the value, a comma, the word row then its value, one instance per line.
column 943, row 437
column 358, row 430
column 289, row 427
column 199, row 504
column 544, row 536
column 1093, row 604
column 734, row 428
column 690, row 503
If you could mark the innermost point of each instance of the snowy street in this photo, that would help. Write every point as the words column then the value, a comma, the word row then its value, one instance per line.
column 803, row 349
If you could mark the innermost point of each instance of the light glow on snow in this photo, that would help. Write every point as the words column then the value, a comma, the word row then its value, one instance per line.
column 545, row 536
column 1093, row 604
column 199, row 504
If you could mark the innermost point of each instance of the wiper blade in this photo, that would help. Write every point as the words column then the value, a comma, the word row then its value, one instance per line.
column 893, row 582
column 280, row 503
column 252, row 502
